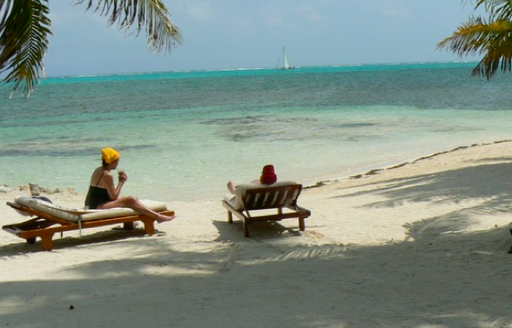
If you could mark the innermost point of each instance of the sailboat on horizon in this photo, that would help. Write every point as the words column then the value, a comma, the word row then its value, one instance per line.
column 283, row 62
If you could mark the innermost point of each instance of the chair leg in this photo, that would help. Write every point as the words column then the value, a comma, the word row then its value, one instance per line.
column 302, row 224
column 246, row 229
column 230, row 217
column 46, row 241
column 128, row 226
column 149, row 226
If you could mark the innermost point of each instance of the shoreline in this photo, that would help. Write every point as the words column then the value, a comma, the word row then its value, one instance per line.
column 401, row 164
column 318, row 184
column 426, row 157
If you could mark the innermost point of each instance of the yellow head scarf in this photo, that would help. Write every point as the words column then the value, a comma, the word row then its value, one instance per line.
column 109, row 155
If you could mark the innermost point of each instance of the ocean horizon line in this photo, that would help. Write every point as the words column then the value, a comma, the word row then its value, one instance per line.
column 176, row 74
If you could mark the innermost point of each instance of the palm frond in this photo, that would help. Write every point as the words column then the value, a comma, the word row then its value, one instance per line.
column 478, row 36
column 152, row 15
column 160, row 27
column 498, row 9
column 497, row 57
column 24, row 30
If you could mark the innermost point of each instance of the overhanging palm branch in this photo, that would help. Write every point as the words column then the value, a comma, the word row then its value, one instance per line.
column 152, row 14
column 499, row 9
column 492, row 38
column 25, row 27
column 24, row 30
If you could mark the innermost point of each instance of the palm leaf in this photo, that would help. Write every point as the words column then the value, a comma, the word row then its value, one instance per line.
column 498, row 56
column 492, row 38
column 161, row 33
column 24, row 30
column 498, row 9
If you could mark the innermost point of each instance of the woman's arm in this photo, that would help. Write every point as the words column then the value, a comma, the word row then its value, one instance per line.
column 113, row 191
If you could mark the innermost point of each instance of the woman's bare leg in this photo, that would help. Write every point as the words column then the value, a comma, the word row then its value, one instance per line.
column 136, row 205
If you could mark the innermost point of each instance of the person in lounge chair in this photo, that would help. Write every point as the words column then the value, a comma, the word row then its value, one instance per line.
column 268, row 177
column 104, row 194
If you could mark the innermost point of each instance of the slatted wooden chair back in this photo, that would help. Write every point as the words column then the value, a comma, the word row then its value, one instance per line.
column 271, row 197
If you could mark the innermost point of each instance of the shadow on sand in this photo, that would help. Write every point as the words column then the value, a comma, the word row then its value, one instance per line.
column 436, row 278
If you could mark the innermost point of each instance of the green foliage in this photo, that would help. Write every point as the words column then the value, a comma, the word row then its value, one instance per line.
column 491, row 37
column 24, row 31
column 151, row 14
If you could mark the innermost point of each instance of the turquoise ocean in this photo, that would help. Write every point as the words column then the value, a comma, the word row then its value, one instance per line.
column 182, row 135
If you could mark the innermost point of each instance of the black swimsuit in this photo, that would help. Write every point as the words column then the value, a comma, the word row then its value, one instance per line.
column 97, row 196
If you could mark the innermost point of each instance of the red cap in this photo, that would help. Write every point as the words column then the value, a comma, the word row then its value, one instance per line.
column 268, row 175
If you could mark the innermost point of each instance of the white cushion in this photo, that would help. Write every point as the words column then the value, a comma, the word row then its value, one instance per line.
column 80, row 214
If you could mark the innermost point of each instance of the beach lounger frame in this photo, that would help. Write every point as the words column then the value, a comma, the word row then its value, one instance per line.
column 44, row 225
column 277, row 202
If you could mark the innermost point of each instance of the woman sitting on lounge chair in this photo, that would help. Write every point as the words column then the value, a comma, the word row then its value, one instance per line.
column 268, row 177
column 103, row 193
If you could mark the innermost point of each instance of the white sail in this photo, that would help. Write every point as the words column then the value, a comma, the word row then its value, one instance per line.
column 286, row 63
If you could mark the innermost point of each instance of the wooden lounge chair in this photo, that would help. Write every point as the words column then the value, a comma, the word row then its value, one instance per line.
column 50, row 219
column 272, row 203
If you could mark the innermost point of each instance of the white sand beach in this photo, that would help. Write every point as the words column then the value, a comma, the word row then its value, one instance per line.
column 424, row 245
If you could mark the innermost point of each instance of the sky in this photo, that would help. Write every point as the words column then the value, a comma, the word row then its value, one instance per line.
column 230, row 34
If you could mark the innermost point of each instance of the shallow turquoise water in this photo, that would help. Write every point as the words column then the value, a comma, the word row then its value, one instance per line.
column 183, row 135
